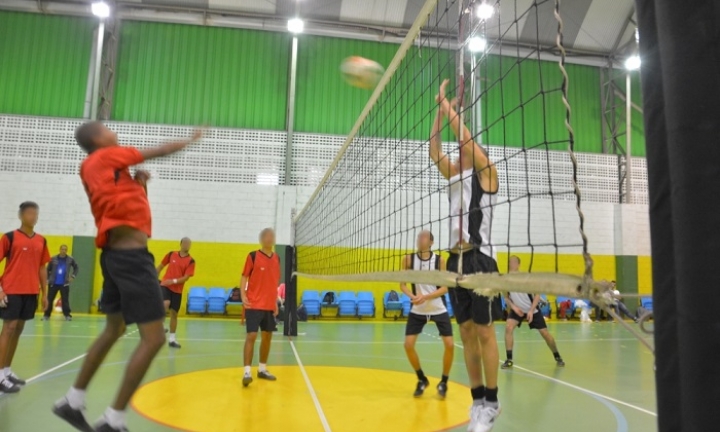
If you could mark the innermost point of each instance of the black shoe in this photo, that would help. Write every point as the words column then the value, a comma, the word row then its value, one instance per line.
column 7, row 386
column 247, row 379
column 507, row 365
column 266, row 376
column 174, row 344
column 560, row 362
column 46, row 318
column 420, row 388
column 102, row 426
column 68, row 318
column 15, row 380
column 442, row 389
column 74, row 417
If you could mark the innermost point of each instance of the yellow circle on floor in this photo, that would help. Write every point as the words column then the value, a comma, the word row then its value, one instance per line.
column 351, row 399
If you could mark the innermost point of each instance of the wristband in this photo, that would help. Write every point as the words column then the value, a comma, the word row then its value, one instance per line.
column 175, row 281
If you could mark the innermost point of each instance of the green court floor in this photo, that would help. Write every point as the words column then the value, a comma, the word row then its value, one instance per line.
column 607, row 386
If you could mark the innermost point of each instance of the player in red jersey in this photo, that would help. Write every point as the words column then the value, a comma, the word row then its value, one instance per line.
column 26, row 255
column 131, row 292
column 258, row 287
column 180, row 267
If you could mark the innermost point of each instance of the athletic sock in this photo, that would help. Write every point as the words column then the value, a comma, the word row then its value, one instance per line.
column 7, row 372
column 491, row 398
column 508, row 353
column 2, row 374
column 262, row 367
column 444, row 379
column 115, row 418
column 75, row 398
column 421, row 375
column 557, row 356
column 248, row 371
column 478, row 394
column 172, row 337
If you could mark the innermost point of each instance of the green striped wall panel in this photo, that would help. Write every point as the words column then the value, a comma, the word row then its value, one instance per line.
column 181, row 74
column 44, row 63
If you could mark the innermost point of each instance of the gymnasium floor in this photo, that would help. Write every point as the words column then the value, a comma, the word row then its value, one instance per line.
column 351, row 375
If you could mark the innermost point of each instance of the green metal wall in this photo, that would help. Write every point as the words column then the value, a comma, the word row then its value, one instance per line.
column 523, row 105
column 182, row 74
column 44, row 63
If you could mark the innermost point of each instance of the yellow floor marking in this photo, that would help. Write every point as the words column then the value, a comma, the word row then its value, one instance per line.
column 353, row 399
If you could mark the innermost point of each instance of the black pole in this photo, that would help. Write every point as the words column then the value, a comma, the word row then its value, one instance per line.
column 290, row 327
column 681, row 97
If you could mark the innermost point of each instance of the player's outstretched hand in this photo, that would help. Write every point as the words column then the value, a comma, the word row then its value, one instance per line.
column 197, row 134
column 440, row 97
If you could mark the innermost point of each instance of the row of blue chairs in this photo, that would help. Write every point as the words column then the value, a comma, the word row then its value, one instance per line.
column 209, row 301
column 344, row 304
column 401, row 308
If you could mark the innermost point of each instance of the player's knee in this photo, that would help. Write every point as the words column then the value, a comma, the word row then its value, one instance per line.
column 449, row 343
column 486, row 334
column 251, row 337
column 9, row 327
column 409, row 345
column 467, row 331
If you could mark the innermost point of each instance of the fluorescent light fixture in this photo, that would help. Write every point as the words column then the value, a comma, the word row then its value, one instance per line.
column 485, row 11
column 268, row 179
column 477, row 44
column 296, row 25
column 100, row 9
column 632, row 63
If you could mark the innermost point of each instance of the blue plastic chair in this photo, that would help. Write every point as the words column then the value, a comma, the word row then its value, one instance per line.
column 545, row 309
column 365, row 304
column 322, row 298
column 647, row 303
column 448, row 305
column 347, row 303
column 227, row 297
column 406, row 304
column 197, row 300
column 311, row 300
column 216, row 301
column 391, row 306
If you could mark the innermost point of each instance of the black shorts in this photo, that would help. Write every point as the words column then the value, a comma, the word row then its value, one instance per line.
column 466, row 304
column 130, row 286
column 259, row 319
column 19, row 307
column 537, row 323
column 174, row 298
column 416, row 323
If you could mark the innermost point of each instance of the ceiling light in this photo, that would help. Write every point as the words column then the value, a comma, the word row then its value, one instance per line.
column 477, row 44
column 296, row 25
column 485, row 11
column 100, row 9
column 632, row 63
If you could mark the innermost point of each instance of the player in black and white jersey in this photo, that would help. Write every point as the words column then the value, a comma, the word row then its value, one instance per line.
column 472, row 190
column 428, row 304
column 523, row 306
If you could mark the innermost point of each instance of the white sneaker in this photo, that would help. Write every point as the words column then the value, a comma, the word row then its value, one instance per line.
column 486, row 420
column 475, row 413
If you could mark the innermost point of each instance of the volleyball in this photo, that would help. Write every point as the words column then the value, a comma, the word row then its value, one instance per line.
column 361, row 72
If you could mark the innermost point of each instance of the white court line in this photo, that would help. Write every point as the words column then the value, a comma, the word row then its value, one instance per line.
column 316, row 401
column 567, row 384
column 62, row 365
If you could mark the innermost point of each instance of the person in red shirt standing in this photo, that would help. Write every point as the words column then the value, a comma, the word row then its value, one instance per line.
column 131, row 292
column 180, row 267
column 26, row 254
column 258, row 287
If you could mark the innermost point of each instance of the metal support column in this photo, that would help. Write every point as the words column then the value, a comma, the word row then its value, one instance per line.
column 291, row 111
column 628, row 138
column 95, row 99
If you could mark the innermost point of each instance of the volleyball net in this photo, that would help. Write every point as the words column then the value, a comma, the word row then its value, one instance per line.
column 383, row 188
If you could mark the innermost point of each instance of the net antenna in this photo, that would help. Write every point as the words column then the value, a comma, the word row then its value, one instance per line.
column 382, row 188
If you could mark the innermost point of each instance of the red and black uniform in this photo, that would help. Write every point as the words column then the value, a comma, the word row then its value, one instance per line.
column 130, row 283
column 263, row 273
column 178, row 266
column 25, row 256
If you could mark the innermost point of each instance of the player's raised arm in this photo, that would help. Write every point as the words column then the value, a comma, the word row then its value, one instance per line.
column 471, row 150
column 442, row 161
column 170, row 147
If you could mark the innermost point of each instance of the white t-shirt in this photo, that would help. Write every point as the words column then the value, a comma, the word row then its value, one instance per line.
column 435, row 306
column 522, row 300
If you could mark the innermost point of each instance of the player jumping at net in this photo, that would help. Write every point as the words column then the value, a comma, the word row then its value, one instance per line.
column 180, row 267
column 258, row 288
column 523, row 306
column 428, row 305
column 473, row 185
column 131, row 293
